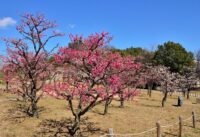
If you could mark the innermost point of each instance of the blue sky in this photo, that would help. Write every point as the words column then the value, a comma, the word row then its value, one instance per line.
column 144, row 23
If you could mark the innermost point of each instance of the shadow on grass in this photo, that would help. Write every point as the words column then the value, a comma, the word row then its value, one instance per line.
column 101, row 112
column 18, row 112
column 150, row 99
column 176, row 105
column 55, row 128
column 15, row 114
column 189, row 126
column 152, row 106
column 98, row 112
column 167, row 134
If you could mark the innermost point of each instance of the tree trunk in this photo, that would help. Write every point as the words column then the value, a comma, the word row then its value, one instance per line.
column 164, row 98
column 106, row 107
column 33, row 109
column 188, row 94
column 24, row 97
column 183, row 93
column 121, row 100
column 149, row 89
column 107, row 103
column 150, row 92
column 74, row 131
column 7, row 84
column 122, row 103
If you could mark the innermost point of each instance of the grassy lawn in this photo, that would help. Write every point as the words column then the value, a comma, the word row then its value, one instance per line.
column 137, row 116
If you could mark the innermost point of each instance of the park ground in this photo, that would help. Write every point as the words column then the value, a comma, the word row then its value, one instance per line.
column 137, row 116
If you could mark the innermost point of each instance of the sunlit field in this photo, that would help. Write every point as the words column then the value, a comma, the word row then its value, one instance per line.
column 137, row 116
column 108, row 68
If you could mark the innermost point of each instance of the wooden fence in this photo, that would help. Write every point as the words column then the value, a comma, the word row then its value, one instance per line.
column 191, row 94
column 158, row 128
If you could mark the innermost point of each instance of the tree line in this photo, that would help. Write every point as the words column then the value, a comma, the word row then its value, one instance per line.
column 169, row 54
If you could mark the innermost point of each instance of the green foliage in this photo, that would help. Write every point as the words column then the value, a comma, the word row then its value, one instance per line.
column 133, row 51
column 142, row 55
column 173, row 55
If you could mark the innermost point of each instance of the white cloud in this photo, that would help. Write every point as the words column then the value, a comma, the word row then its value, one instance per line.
column 7, row 21
column 71, row 26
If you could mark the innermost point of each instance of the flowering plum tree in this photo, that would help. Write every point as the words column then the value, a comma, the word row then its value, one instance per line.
column 91, row 75
column 182, row 84
column 191, row 79
column 198, row 63
column 128, row 79
column 6, row 71
column 26, row 62
column 168, row 82
column 152, row 76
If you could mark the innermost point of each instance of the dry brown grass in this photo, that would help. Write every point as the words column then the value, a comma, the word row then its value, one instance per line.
column 137, row 116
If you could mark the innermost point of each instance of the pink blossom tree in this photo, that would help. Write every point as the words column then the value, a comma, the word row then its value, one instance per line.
column 152, row 76
column 91, row 75
column 26, row 62
column 128, row 80
column 6, row 71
